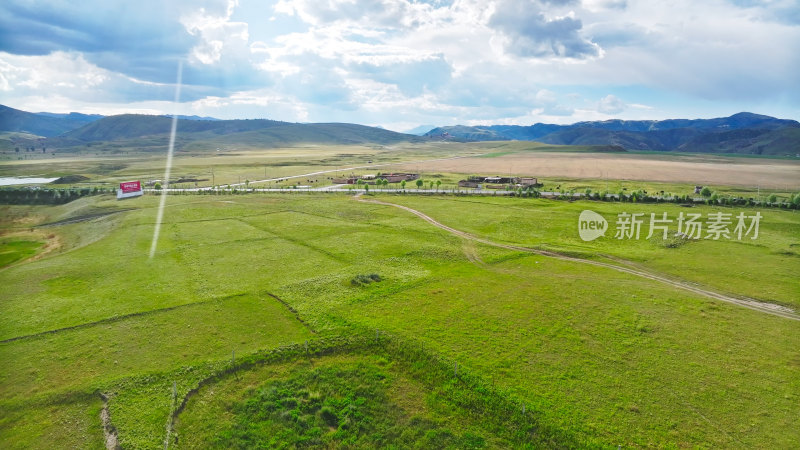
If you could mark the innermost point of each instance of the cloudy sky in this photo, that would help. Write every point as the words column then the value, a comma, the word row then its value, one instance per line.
column 404, row 63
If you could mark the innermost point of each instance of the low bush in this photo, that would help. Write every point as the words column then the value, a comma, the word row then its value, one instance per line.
column 363, row 280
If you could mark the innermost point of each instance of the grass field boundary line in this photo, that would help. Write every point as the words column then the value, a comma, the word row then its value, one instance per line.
column 119, row 318
column 84, row 218
column 323, row 216
column 486, row 399
column 47, row 399
column 299, row 243
column 230, row 242
column 755, row 305
column 215, row 219
column 350, row 229
column 293, row 311
column 350, row 222
column 311, row 347
column 500, row 405
column 394, row 290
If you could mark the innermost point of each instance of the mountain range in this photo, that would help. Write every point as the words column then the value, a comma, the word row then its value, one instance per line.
column 42, row 124
column 149, row 132
column 743, row 133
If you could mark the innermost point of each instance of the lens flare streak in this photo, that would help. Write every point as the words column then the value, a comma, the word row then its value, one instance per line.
column 168, row 169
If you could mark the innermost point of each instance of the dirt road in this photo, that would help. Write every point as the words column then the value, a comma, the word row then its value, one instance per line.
column 769, row 308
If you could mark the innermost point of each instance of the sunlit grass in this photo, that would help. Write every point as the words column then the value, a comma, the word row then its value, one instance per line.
column 605, row 356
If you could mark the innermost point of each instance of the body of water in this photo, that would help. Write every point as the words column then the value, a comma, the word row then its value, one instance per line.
column 11, row 181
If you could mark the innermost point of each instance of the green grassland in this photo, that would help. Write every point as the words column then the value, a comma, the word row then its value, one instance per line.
column 349, row 400
column 66, row 422
column 614, row 361
column 14, row 250
column 764, row 268
column 145, row 342
column 603, row 358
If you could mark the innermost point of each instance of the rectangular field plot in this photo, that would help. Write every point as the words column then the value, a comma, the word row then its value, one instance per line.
column 70, row 423
column 607, row 355
column 765, row 268
column 157, row 340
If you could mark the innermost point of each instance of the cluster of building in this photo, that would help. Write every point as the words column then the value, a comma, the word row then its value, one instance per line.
column 370, row 179
column 498, row 182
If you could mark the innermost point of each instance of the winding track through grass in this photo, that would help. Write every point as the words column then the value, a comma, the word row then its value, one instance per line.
column 768, row 308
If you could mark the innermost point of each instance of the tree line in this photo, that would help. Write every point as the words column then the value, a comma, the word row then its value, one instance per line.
column 28, row 196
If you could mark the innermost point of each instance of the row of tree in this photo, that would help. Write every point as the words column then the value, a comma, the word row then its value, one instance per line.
column 640, row 196
column 27, row 196
column 384, row 183
column 30, row 149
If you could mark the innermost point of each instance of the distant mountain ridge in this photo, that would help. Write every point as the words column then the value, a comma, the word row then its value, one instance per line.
column 744, row 132
column 129, row 126
column 252, row 131
column 149, row 132
column 193, row 117
column 42, row 124
column 420, row 130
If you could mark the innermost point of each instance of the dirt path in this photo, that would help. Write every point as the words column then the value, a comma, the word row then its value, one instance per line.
column 472, row 254
column 769, row 308
column 109, row 432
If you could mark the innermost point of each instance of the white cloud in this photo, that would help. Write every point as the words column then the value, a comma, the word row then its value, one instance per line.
column 610, row 104
column 547, row 104
column 406, row 62
column 530, row 32
column 55, row 73
column 601, row 5
column 261, row 103
column 379, row 13
column 217, row 33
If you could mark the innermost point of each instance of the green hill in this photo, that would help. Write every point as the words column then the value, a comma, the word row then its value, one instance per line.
column 142, row 131
column 130, row 126
column 41, row 124
column 783, row 141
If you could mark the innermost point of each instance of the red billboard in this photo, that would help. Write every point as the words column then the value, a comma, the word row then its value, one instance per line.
column 130, row 186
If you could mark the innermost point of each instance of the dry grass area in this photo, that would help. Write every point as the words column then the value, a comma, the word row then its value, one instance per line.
column 701, row 169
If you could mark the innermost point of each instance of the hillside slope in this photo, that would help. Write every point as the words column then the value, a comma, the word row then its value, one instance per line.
column 41, row 124
column 130, row 126
column 152, row 132
column 745, row 133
